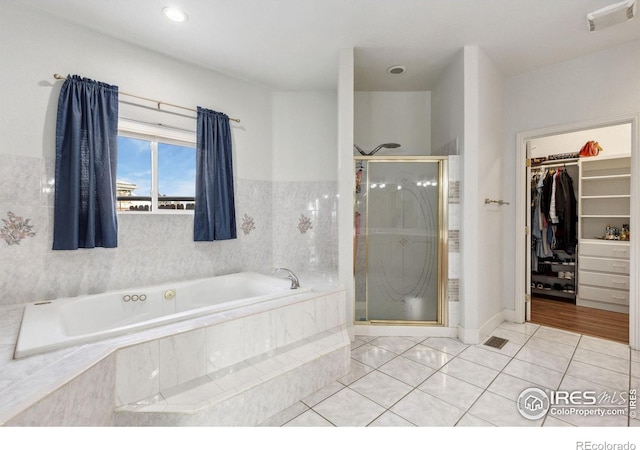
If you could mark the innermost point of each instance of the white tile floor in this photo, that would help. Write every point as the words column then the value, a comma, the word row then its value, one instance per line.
column 413, row 381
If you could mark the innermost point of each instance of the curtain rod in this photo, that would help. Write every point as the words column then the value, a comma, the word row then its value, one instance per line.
column 157, row 102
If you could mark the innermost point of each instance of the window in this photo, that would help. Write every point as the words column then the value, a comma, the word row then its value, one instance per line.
column 155, row 173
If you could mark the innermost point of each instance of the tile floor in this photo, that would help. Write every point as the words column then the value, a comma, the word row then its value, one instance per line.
column 417, row 381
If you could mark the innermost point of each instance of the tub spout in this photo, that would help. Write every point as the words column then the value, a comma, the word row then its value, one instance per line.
column 295, row 283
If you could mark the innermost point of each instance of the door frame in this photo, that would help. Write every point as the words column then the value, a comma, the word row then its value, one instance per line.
column 522, row 288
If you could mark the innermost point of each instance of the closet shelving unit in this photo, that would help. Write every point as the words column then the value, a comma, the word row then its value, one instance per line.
column 553, row 282
column 605, row 197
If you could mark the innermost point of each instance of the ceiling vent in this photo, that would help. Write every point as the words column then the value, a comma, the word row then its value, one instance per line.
column 396, row 70
column 611, row 15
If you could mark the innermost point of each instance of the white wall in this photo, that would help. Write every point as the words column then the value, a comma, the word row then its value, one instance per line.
column 469, row 105
column 34, row 47
column 345, row 176
column 158, row 248
column 614, row 140
column 305, row 136
column 305, row 170
column 601, row 85
column 447, row 124
column 490, row 185
column 400, row 117
column 470, row 235
column 447, row 106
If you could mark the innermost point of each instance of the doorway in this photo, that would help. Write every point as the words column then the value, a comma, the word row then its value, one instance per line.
column 566, row 315
column 579, row 319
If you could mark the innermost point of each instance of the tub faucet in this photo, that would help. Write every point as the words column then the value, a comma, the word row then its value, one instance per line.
column 295, row 283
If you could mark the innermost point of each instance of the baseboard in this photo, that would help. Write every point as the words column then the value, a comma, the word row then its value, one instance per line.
column 475, row 336
column 510, row 316
column 401, row 330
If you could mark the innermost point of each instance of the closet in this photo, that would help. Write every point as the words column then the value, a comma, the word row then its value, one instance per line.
column 579, row 221
column 554, row 236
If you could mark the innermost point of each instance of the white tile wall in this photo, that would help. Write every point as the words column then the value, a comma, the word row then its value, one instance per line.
column 182, row 358
column 153, row 249
column 139, row 366
column 85, row 401
column 225, row 344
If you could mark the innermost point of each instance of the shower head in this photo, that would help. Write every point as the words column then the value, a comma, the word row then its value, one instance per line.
column 387, row 145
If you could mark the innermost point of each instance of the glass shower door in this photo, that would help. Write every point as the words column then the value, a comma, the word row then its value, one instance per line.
column 403, row 230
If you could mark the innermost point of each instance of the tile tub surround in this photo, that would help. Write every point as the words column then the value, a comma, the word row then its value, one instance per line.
column 305, row 224
column 34, row 388
column 153, row 249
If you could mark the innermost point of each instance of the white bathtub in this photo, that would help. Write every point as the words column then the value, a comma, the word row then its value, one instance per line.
column 54, row 324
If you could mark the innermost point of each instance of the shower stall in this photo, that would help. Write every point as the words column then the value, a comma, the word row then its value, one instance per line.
column 400, row 240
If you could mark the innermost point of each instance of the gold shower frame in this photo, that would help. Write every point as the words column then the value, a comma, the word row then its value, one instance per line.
column 443, row 238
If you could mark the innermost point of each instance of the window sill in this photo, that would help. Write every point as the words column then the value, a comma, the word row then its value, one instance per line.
column 169, row 212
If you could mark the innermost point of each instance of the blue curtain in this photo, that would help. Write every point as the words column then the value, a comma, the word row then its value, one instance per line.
column 214, row 215
column 86, row 157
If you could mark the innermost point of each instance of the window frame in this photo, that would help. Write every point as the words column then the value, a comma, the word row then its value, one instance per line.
column 156, row 134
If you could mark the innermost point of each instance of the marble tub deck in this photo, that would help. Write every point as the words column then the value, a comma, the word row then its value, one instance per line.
column 394, row 381
column 49, row 385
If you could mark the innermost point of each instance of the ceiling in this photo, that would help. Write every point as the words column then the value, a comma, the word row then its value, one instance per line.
column 295, row 44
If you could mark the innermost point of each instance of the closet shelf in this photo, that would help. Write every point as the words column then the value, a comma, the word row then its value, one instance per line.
column 554, row 293
column 613, row 216
column 600, row 240
column 605, row 185
column 606, row 177
column 587, row 197
column 543, row 278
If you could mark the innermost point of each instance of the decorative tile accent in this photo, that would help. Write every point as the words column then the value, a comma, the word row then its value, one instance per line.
column 454, row 241
column 304, row 224
column 248, row 224
column 454, row 289
column 454, row 192
column 16, row 229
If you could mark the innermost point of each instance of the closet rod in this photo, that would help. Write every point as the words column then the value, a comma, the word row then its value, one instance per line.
column 556, row 162
column 157, row 102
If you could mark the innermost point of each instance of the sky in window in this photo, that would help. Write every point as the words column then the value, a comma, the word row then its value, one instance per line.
column 176, row 167
column 176, row 170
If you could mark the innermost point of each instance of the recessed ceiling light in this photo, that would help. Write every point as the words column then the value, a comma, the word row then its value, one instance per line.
column 396, row 70
column 175, row 14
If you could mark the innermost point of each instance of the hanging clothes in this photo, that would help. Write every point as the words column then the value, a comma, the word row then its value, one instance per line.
column 566, row 208
column 540, row 224
column 554, row 213
column 553, row 216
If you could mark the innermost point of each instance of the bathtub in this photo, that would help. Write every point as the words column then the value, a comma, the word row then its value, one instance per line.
column 50, row 325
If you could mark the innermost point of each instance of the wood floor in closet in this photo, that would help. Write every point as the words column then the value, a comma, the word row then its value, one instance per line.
column 579, row 319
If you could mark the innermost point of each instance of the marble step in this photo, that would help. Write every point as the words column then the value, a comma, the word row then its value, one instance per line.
column 249, row 392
